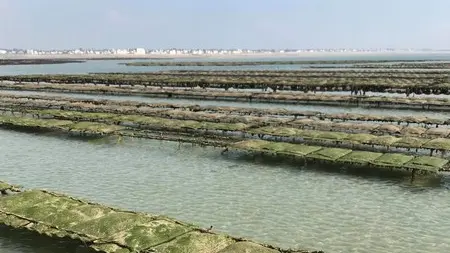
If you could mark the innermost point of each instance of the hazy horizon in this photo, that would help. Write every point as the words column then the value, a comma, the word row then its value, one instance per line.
column 52, row 24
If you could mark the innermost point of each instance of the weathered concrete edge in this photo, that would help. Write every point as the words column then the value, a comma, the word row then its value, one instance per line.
column 72, row 235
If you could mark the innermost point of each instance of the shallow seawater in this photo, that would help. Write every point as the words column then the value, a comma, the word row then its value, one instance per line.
column 271, row 201
column 114, row 66
column 12, row 241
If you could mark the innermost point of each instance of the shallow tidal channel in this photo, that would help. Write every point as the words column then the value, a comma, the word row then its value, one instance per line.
column 266, row 200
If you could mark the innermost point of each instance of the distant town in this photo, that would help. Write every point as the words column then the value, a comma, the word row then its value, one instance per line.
column 180, row 52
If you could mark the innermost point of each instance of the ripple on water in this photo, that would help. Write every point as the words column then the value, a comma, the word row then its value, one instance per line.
column 277, row 203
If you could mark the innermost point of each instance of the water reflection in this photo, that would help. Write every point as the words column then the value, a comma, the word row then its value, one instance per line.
column 14, row 241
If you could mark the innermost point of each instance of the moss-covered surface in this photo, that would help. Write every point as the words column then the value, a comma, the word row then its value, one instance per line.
column 329, row 154
column 428, row 163
column 410, row 142
column 5, row 187
column 63, row 125
column 196, row 242
column 148, row 121
column 32, row 122
column 360, row 157
column 300, row 150
column 310, row 134
column 111, row 230
column 392, row 160
column 95, row 222
column 112, row 123
column 385, row 140
column 360, row 138
column 16, row 102
column 277, row 131
column 332, row 136
column 347, row 156
column 438, row 143
column 250, row 145
column 368, row 139
column 94, row 127
column 276, row 147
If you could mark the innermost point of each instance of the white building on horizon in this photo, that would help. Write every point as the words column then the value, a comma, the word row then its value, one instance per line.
column 140, row 51
column 121, row 51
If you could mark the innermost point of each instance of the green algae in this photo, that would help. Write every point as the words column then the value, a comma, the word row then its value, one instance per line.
column 385, row 140
column 276, row 147
column 196, row 242
column 122, row 228
column 111, row 230
column 32, row 122
column 360, row 138
column 329, row 154
column 310, row 134
column 278, row 131
column 360, row 157
column 392, row 160
column 427, row 163
column 340, row 155
column 410, row 142
column 63, row 125
column 332, row 136
column 438, row 143
column 94, row 127
column 9, row 187
column 250, row 144
column 155, row 122
column 300, row 150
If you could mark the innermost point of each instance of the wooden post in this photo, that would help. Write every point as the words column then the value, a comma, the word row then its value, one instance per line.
column 413, row 175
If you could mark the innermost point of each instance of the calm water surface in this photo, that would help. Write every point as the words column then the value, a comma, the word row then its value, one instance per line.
column 274, row 202
column 113, row 66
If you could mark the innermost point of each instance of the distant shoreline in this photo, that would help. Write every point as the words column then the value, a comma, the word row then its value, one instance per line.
column 30, row 61
column 236, row 56
column 266, row 62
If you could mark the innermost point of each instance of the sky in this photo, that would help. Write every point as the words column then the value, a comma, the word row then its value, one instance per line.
column 254, row 24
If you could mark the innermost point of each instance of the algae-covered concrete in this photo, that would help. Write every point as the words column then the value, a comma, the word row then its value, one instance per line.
column 111, row 230
column 346, row 156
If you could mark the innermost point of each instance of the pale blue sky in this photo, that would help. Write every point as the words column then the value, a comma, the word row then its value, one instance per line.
column 225, row 23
